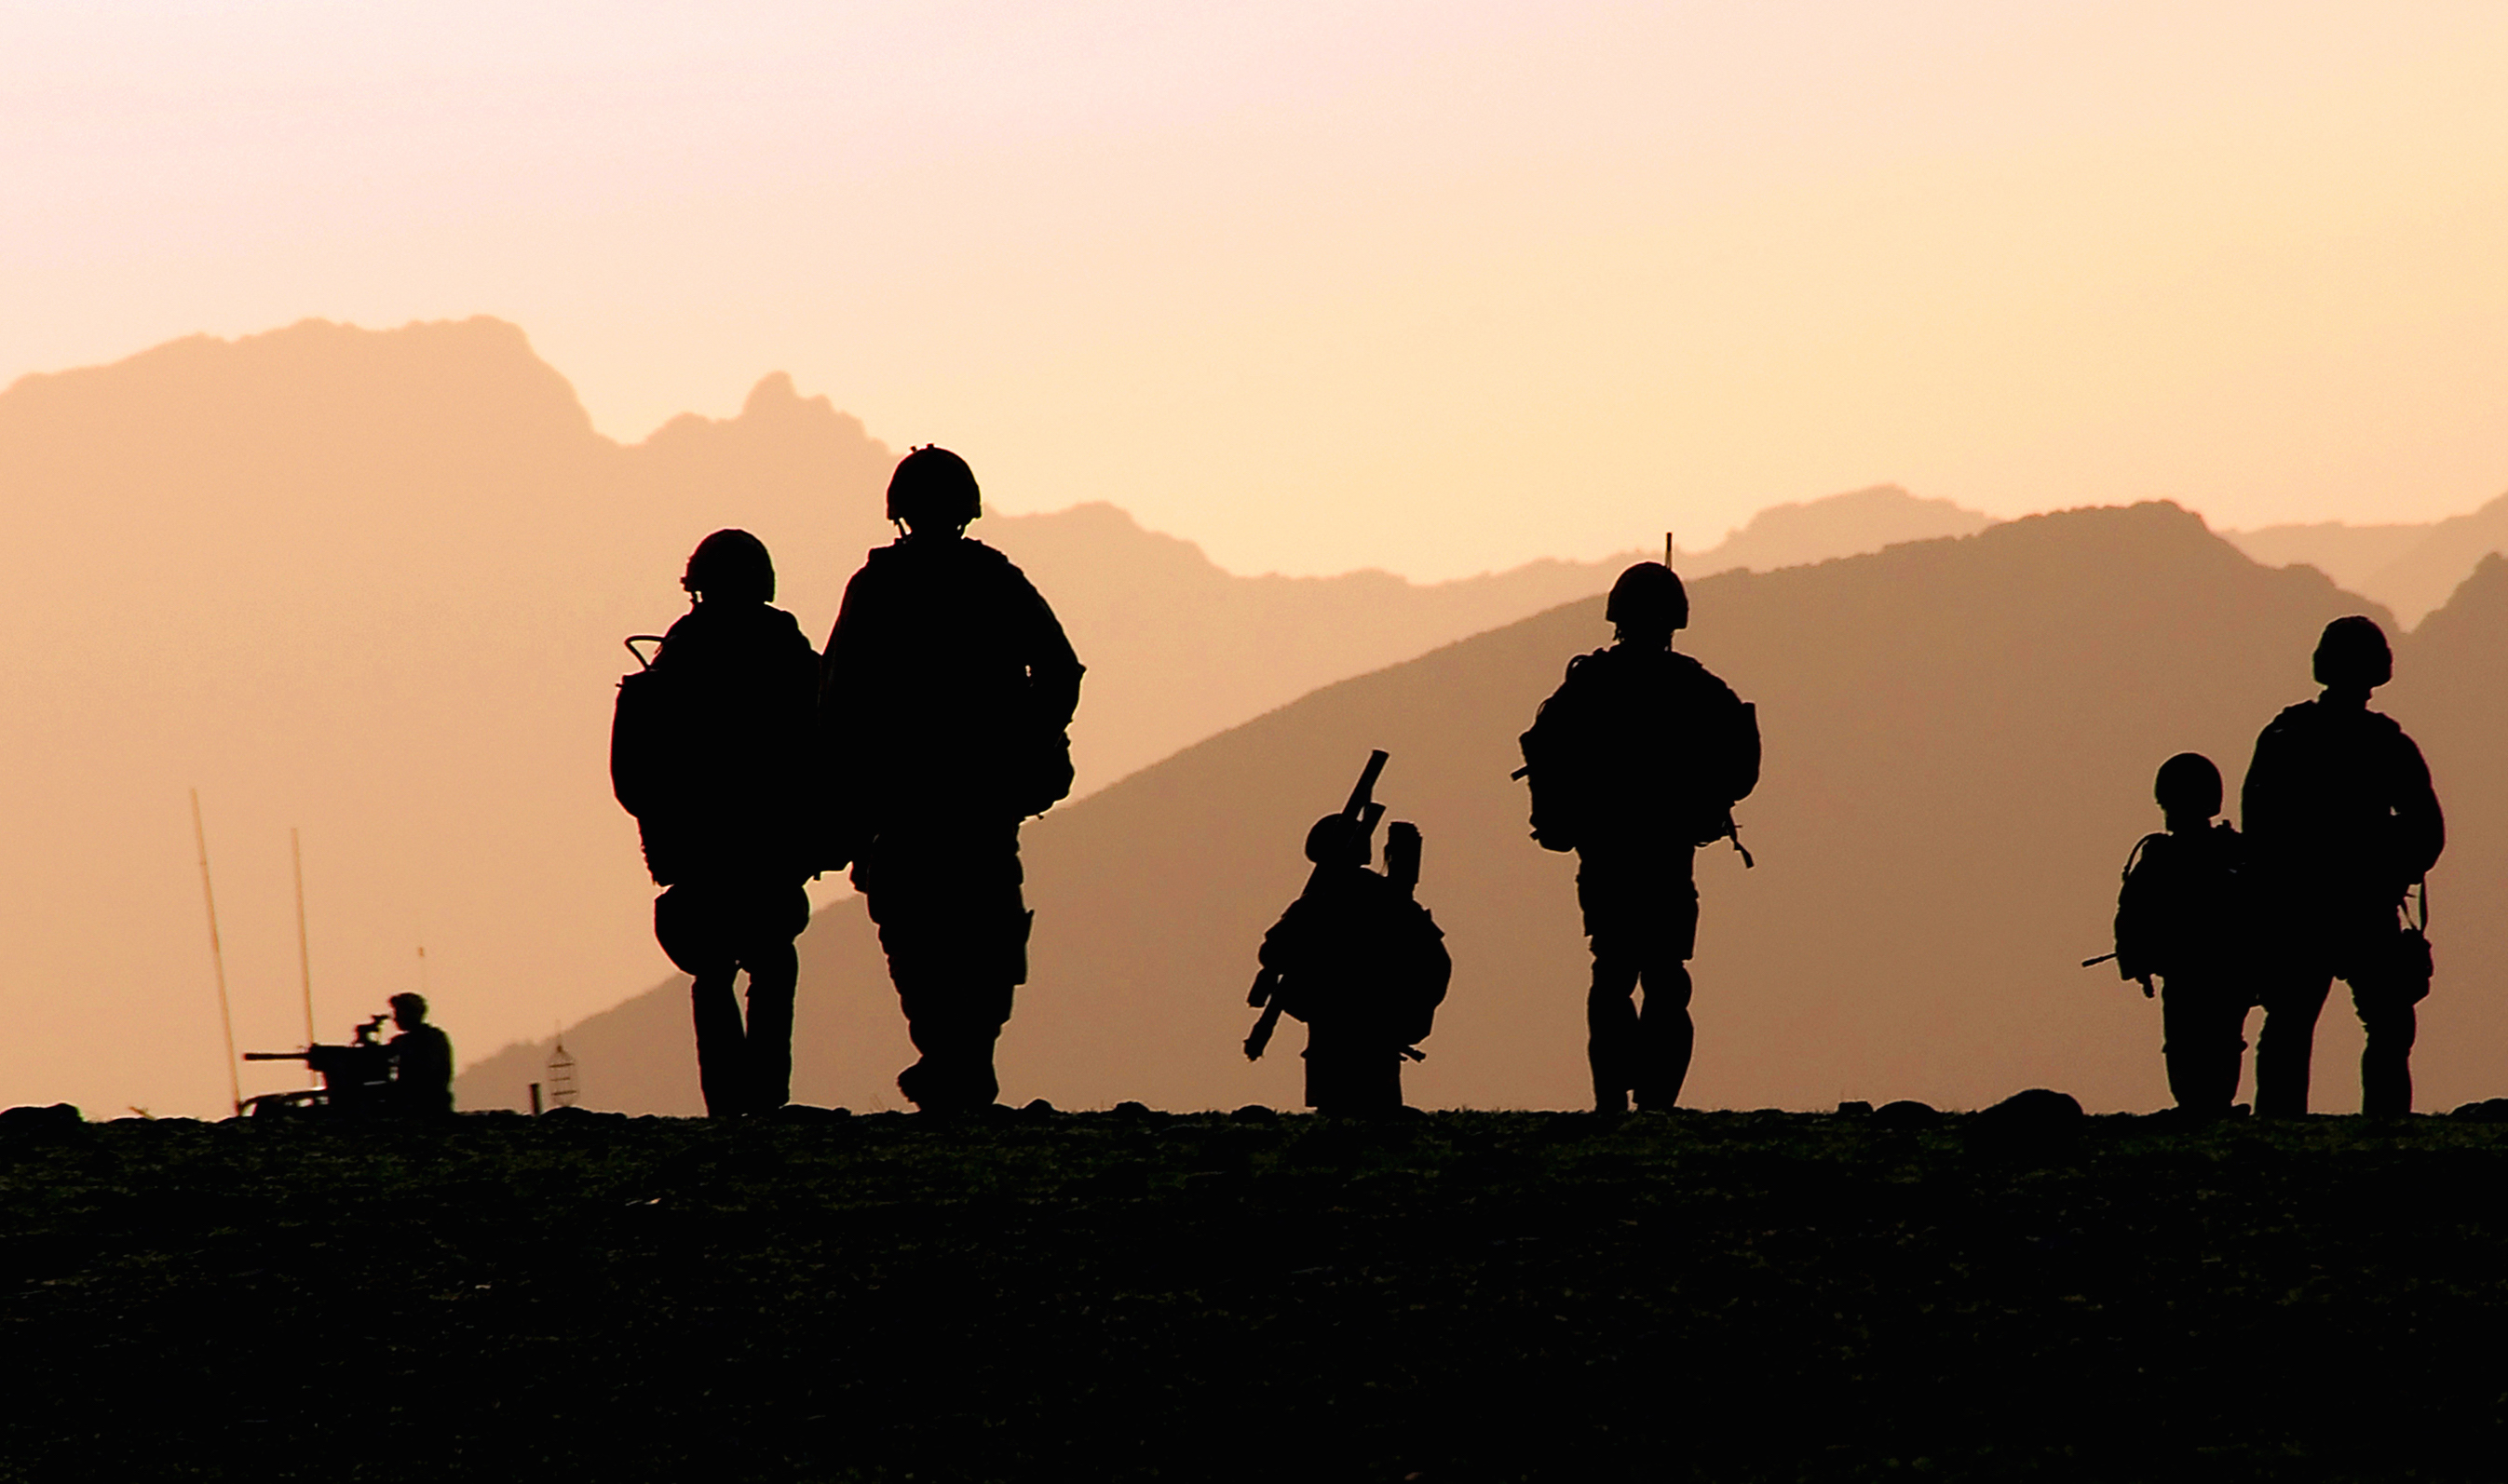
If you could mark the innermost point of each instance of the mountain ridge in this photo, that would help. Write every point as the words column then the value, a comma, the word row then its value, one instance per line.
column 370, row 584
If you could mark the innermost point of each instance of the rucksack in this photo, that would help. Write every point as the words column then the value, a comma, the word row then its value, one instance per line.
column 1572, row 737
column 647, row 744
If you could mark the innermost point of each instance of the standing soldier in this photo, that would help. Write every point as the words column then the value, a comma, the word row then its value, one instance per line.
column 2182, row 919
column 1636, row 761
column 944, row 703
column 2341, row 823
column 710, row 754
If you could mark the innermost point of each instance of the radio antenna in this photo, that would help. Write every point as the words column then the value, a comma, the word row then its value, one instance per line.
column 1667, row 548
column 218, row 953
column 303, row 955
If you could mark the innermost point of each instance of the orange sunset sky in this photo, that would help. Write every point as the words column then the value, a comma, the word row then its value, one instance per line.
column 1434, row 287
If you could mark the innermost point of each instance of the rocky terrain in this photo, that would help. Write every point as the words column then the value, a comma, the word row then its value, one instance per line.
column 1141, row 1295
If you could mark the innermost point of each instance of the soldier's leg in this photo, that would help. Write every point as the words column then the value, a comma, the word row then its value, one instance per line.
column 2389, row 977
column 715, row 1010
column 2233, row 1009
column 2201, row 1040
column 988, row 1008
column 994, row 966
column 1665, row 1035
column 687, row 921
column 925, row 964
column 2386, row 1060
column 2184, row 1048
column 773, row 974
column 929, row 1024
column 2386, row 1006
column 1324, row 1070
column 1611, row 1031
column 955, row 931
column 781, row 912
column 2288, row 1042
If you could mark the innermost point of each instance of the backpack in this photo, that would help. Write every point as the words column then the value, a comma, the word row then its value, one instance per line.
column 1717, row 764
column 2183, row 905
column 646, row 746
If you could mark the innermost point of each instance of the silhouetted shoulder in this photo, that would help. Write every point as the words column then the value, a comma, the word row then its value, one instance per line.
column 960, row 557
column 1701, row 677
column 2311, row 716
column 1621, row 668
column 710, row 633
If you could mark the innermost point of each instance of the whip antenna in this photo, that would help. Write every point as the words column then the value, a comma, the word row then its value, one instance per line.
column 218, row 953
column 303, row 955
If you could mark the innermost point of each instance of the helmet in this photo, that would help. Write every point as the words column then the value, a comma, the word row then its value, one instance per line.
column 731, row 566
column 2353, row 653
column 933, row 485
column 2188, row 785
column 1648, row 597
column 1335, row 839
column 412, row 1005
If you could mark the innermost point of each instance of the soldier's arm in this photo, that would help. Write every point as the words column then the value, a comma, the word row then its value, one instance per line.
column 2262, row 798
column 1054, row 668
column 840, row 664
column 2420, row 828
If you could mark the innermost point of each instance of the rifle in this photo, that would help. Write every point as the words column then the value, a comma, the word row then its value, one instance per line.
column 1361, row 811
column 2147, row 991
column 1733, row 832
column 356, row 1078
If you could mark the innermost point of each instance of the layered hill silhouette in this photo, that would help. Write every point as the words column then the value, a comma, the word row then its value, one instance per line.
column 2351, row 555
column 374, row 583
column 2410, row 569
column 1961, row 738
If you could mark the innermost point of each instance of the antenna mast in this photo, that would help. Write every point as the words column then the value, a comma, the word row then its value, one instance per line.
column 303, row 955
column 218, row 953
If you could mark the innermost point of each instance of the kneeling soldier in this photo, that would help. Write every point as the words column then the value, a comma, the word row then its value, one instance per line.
column 1358, row 960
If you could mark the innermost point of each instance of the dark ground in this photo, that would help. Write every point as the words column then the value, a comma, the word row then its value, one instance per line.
column 1449, row 1297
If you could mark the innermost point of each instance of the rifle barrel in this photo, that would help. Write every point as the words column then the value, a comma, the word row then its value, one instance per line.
column 1366, row 789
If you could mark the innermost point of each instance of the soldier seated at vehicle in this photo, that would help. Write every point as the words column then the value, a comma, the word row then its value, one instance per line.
column 1361, row 961
column 2183, row 918
column 422, row 1061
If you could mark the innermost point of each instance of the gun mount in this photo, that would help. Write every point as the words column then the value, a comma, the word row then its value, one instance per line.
column 356, row 1078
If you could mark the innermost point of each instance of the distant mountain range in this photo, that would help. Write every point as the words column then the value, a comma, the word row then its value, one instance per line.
column 372, row 584
column 1961, row 738
column 2410, row 569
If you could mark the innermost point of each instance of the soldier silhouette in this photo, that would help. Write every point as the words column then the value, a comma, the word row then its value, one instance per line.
column 711, row 753
column 422, row 1059
column 1637, row 760
column 2341, row 823
column 944, row 702
column 2183, row 917
column 1357, row 958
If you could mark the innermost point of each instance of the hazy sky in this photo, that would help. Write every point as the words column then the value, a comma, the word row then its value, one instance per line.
column 1434, row 287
